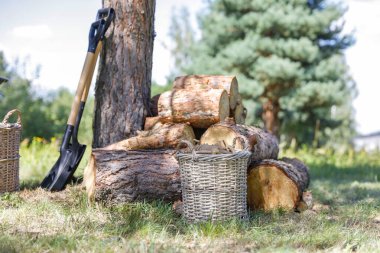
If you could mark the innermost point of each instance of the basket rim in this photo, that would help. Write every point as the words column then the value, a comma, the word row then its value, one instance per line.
column 10, row 126
column 214, row 157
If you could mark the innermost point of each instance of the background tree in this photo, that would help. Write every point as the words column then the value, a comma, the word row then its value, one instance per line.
column 18, row 93
column 122, row 89
column 288, row 56
column 43, row 114
column 182, row 39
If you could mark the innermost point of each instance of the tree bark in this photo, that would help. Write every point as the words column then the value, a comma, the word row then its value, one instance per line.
column 200, row 108
column 271, row 108
column 277, row 184
column 122, row 89
column 262, row 144
column 166, row 135
column 117, row 176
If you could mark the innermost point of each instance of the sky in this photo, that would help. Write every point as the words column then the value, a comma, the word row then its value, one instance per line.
column 52, row 34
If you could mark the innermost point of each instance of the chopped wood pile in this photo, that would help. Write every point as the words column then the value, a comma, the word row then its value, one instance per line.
column 203, row 108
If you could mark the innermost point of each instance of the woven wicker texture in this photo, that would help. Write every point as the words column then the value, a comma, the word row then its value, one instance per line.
column 214, row 186
column 10, row 136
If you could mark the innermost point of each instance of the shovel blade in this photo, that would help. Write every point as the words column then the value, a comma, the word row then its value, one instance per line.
column 64, row 168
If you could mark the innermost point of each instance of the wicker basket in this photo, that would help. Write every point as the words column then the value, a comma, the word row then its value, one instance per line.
column 214, row 186
column 10, row 135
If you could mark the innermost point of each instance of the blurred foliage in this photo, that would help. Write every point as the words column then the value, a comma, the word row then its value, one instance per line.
column 285, row 53
column 158, row 88
column 42, row 115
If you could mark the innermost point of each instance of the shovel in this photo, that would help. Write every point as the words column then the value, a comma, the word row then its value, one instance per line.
column 71, row 151
column 3, row 80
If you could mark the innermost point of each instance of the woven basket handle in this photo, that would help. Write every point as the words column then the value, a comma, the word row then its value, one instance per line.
column 246, row 144
column 9, row 114
column 190, row 146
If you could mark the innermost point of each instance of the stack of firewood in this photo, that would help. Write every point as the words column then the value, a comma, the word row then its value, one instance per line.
column 204, row 108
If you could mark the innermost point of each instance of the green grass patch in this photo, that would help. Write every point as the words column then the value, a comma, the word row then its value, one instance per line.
column 345, row 186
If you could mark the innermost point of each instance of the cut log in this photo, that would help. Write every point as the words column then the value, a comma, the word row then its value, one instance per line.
column 276, row 184
column 262, row 144
column 200, row 108
column 192, row 82
column 162, row 136
column 118, row 176
column 151, row 122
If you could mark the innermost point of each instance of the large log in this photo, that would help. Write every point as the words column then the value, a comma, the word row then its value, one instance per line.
column 200, row 108
column 192, row 82
column 262, row 144
column 117, row 176
column 276, row 184
column 166, row 135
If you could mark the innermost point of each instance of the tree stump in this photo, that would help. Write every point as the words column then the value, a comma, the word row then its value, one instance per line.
column 276, row 184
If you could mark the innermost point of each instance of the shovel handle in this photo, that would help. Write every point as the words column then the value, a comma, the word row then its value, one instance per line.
column 89, row 64
column 96, row 35
column 91, row 74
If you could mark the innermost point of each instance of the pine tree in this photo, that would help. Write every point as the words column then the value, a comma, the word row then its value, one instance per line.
column 288, row 57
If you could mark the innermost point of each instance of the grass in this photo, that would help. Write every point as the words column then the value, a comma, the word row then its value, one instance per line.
column 345, row 187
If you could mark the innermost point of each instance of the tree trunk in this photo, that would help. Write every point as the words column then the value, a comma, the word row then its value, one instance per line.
column 271, row 108
column 200, row 108
column 122, row 89
column 163, row 136
column 117, row 176
column 277, row 184
column 262, row 144
column 192, row 82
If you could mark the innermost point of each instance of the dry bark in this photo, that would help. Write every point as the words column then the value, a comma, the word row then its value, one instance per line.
column 118, row 176
column 277, row 184
column 122, row 89
column 200, row 108
column 192, row 82
column 163, row 136
column 262, row 144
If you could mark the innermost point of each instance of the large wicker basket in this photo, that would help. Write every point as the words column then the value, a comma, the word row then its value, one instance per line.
column 214, row 186
column 10, row 135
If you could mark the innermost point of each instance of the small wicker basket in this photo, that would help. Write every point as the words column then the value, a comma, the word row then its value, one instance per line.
column 214, row 186
column 10, row 136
